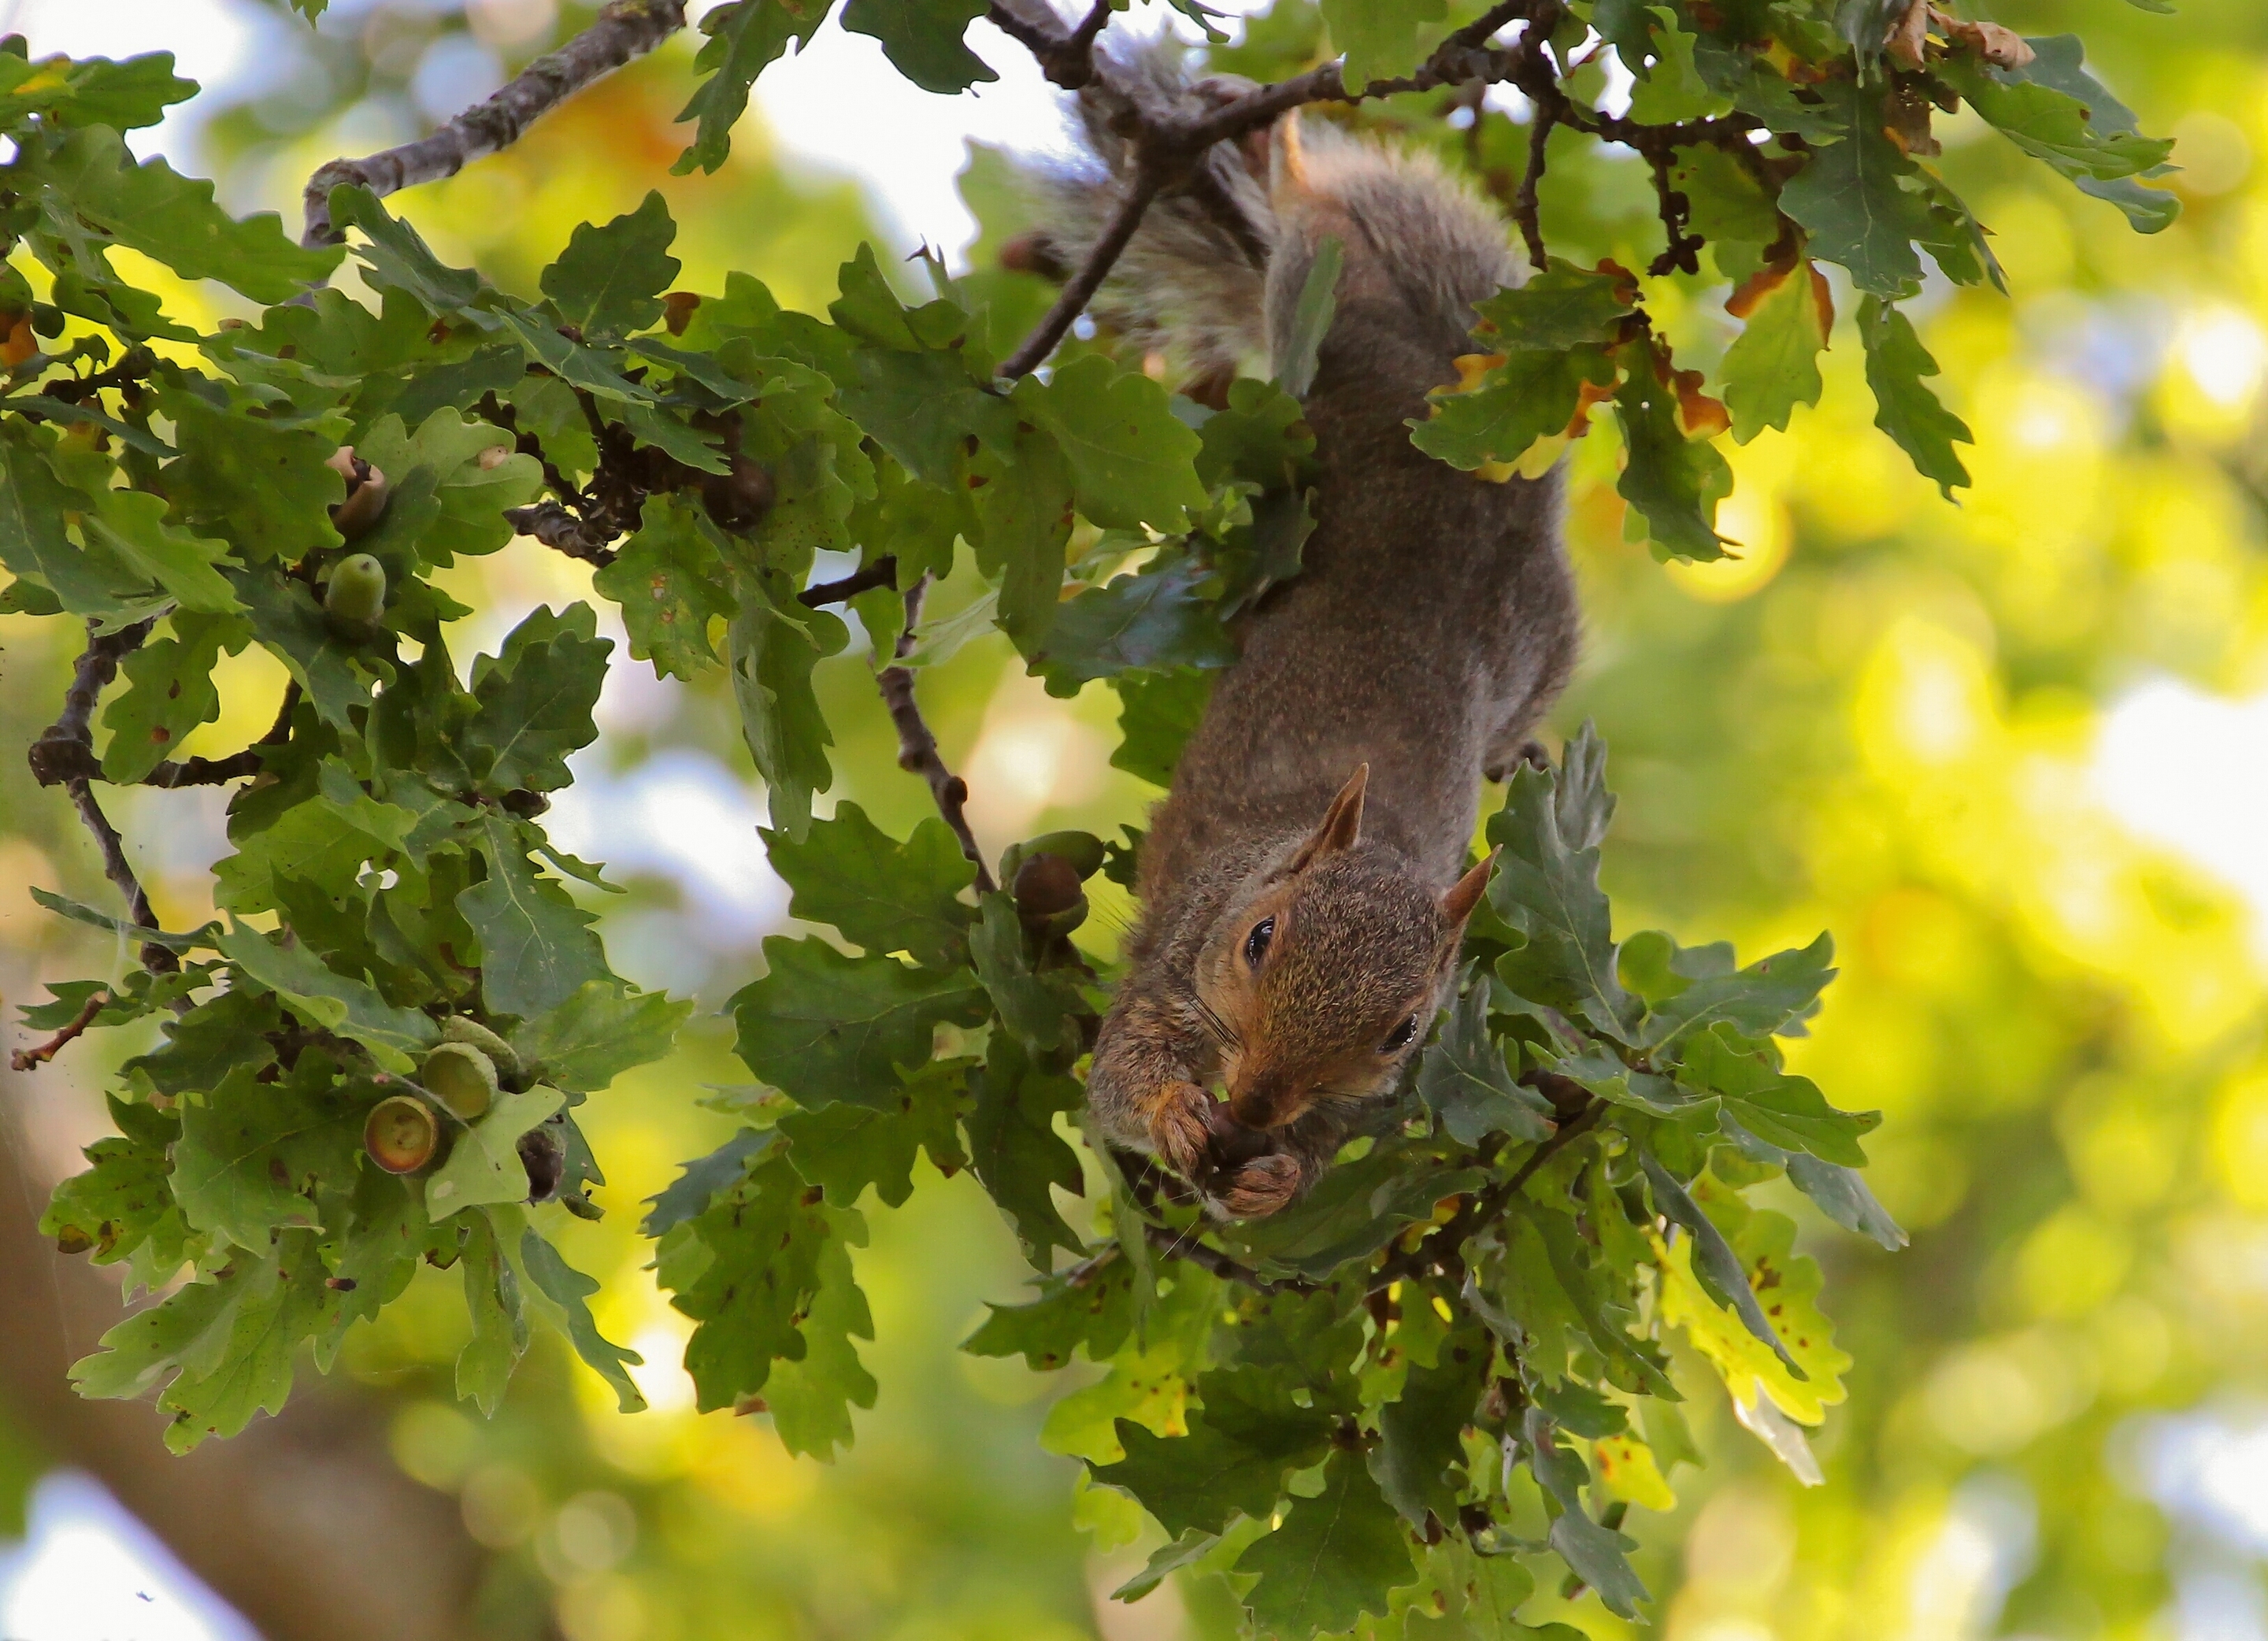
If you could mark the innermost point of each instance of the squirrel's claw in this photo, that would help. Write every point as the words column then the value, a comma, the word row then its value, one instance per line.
column 1261, row 1187
column 1178, row 1129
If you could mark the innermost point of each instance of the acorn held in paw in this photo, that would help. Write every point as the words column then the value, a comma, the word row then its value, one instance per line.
column 401, row 1134
column 461, row 1077
column 357, row 590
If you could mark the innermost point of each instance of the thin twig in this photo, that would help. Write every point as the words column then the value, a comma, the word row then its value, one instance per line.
column 1441, row 1246
column 54, row 756
column 555, row 527
column 883, row 572
column 1184, row 1246
column 1074, row 296
column 1525, row 210
column 39, row 1054
column 155, row 958
column 1168, row 147
column 917, row 753
column 625, row 29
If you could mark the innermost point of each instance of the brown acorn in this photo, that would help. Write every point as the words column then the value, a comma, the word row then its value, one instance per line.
column 1046, row 885
column 401, row 1134
column 545, row 1160
column 737, row 500
column 366, row 492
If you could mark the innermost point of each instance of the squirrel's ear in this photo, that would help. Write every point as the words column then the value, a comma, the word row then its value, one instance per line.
column 1465, row 892
column 1342, row 826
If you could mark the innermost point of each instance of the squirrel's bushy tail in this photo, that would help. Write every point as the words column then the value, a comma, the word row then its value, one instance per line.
column 1213, row 276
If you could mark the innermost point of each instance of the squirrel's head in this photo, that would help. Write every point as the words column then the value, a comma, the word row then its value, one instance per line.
column 1322, row 979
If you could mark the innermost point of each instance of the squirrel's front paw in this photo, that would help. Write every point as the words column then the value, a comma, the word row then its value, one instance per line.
column 1261, row 1187
column 1180, row 1127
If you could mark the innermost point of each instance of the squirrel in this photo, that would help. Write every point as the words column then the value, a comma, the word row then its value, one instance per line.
column 1304, row 889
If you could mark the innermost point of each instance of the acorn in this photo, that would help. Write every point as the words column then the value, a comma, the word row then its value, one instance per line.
column 461, row 1028
column 461, row 1077
column 401, row 1134
column 545, row 1159
column 1045, row 885
column 366, row 492
column 738, row 501
column 357, row 590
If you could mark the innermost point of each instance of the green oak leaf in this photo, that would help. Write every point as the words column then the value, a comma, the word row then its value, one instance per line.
column 1787, row 1112
column 1131, row 457
column 1672, row 481
column 223, row 1346
column 884, row 896
column 1017, row 1153
column 1333, row 1559
column 261, row 483
column 537, row 947
column 1507, row 402
column 532, row 703
column 1904, row 408
column 922, row 40
column 148, row 208
column 1024, row 521
column 1465, row 1081
column 1094, row 1311
column 774, row 648
column 1758, row 1001
column 252, row 1155
column 1773, row 364
column 1851, row 195
column 1564, row 306
column 812, row 1392
column 123, row 95
column 499, row 1317
column 1158, row 712
column 328, row 999
column 670, row 580
column 570, row 1290
column 36, row 511
column 745, row 1270
column 130, row 525
column 1719, row 1269
column 1599, row 1556
column 843, row 1148
column 1159, row 617
column 484, row 1166
column 608, row 281
column 824, row 1026
column 598, row 1031
column 1546, row 889
column 1383, row 39
column 743, row 37
column 1034, row 1007
column 450, row 484
column 170, row 691
column 1421, row 1432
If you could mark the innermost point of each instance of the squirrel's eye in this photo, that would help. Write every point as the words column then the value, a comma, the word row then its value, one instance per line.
column 1256, row 943
column 1398, row 1039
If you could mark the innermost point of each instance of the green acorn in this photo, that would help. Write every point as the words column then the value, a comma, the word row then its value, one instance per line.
column 462, row 1028
column 357, row 592
column 461, row 1077
column 401, row 1134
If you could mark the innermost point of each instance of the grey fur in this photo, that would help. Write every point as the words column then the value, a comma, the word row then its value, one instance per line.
column 1434, row 624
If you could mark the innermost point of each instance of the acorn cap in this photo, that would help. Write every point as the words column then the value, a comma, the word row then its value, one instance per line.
column 401, row 1134
column 461, row 1077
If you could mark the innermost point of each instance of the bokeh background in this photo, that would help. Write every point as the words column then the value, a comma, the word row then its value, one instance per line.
column 2014, row 753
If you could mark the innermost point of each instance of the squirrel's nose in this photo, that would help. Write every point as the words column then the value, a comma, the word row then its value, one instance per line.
column 1263, row 1100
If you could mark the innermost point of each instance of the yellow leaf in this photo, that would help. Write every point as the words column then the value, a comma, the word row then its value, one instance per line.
column 1785, row 1283
column 1626, row 1468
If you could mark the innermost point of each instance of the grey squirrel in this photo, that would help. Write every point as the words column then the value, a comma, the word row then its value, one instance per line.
column 1304, row 888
